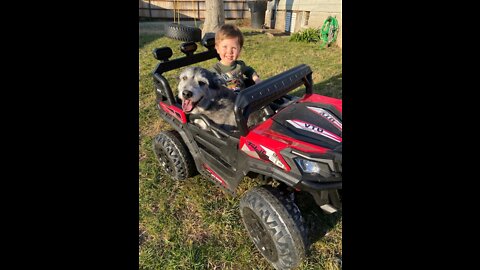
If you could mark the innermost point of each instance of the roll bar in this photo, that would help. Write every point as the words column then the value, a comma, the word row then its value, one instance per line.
column 269, row 90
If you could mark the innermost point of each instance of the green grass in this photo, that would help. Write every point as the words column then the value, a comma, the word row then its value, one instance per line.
column 194, row 225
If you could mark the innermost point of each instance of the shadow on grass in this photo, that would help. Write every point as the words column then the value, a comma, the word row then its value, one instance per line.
column 331, row 88
column 144, row 39
column 318, row 223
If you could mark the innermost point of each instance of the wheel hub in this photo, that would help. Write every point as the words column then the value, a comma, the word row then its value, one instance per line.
column 259, row 234
column 164, row 160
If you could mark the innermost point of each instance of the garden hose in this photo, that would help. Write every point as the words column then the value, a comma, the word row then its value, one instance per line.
column 329, row 31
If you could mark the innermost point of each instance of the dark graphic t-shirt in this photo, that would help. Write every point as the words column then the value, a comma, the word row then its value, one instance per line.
column 233, row 76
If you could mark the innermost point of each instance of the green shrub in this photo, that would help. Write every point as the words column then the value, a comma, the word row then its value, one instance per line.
column 307, row 35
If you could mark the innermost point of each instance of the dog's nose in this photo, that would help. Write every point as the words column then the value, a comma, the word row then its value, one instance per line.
column 187, row 94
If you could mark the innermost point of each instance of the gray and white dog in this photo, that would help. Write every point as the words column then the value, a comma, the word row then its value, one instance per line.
column 201, row 92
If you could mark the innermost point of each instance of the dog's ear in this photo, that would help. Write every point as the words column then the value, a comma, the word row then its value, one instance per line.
column 206, row 77
column 214, row 80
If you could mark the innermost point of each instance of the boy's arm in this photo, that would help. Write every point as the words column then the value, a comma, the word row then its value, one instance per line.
column 251, row 73
column 256, row 78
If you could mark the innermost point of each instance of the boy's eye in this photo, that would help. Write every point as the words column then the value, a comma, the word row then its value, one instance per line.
column 184, row 78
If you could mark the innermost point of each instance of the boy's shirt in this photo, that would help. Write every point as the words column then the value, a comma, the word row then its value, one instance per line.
column 233, row 76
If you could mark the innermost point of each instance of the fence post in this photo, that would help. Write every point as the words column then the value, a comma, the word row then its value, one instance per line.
column 150, row 8
column 243, row 7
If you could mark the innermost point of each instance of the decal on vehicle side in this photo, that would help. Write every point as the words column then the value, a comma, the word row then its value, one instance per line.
column 249, row 152
column 255, row 151
column 215, row 175
column 315, row 129
column 325, row 114
column 262, row 152
column 273, row 157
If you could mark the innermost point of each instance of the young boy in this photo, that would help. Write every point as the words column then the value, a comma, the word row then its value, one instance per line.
column 229, row 43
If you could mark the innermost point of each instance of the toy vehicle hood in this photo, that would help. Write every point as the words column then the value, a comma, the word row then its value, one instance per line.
column 312, row 122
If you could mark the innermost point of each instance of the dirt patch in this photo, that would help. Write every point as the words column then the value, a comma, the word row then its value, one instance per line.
column 275, row 33
column 142, row 236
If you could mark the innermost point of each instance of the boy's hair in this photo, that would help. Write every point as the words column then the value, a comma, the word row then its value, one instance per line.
column 228, row 31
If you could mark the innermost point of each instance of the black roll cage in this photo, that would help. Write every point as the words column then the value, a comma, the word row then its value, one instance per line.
column 248, row 100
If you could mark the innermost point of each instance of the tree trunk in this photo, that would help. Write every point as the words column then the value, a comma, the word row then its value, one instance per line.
column 214, row 15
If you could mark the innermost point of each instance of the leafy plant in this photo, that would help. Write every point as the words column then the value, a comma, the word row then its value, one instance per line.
column 307, row 35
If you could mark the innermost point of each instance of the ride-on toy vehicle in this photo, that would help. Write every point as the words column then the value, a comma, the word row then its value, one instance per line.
column 297, row 148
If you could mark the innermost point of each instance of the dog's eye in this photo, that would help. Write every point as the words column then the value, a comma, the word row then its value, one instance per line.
column 184, row 78
column 201, row 83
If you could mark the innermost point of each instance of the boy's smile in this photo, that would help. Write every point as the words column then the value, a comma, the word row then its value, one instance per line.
column 229, row 50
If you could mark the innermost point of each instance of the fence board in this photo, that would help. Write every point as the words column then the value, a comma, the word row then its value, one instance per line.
column 189, row 9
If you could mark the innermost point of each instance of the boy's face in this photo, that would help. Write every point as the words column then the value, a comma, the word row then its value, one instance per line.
column 229, row 50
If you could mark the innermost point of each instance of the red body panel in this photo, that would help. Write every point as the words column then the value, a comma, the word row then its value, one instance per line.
column 174, row 111
column 262, row 136
column 337, row 103
column 215, row 175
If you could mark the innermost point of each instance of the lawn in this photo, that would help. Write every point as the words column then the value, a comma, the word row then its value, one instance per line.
column 194, row 225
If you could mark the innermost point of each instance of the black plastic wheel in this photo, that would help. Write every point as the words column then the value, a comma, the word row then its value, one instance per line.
column 183, row 32
column 173, row 155
column 275, row 225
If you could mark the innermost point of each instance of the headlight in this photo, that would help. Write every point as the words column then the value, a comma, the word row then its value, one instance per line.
column 312, row 167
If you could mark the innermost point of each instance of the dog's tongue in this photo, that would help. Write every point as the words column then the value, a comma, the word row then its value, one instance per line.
column 187, row 105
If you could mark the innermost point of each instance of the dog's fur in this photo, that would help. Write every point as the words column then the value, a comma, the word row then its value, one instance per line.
column 201, row 92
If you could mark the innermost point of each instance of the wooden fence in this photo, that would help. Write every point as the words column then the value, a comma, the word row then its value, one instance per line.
column 189, row 9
